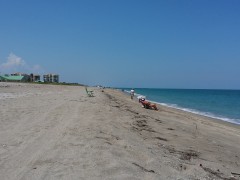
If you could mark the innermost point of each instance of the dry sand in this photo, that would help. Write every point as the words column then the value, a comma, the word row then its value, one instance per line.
column 58, row 132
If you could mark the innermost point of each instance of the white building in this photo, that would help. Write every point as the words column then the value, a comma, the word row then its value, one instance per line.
column 51, row 78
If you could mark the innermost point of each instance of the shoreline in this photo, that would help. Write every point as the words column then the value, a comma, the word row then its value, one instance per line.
column 193, row 111
column 180, row 110
column 58, row 132
column 215, row 118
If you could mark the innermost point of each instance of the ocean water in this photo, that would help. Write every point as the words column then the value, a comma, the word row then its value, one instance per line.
column 220, row 104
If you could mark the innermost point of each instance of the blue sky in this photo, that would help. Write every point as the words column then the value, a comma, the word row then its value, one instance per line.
column 124, row 43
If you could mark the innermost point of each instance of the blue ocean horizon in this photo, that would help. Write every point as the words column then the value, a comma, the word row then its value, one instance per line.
column 219, row 104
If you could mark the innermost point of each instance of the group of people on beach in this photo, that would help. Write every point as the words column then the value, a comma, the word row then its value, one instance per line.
column 146, row 104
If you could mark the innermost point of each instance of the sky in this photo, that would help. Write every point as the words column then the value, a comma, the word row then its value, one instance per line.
column 124, row 43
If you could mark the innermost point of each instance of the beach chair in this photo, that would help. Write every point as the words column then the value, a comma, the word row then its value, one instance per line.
column 89, row 93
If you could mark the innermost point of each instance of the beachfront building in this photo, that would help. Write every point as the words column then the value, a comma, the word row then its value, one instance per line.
column 51, row 78
column 14, row 78
column 19, row 74
column 20, row 77
column 34, row 77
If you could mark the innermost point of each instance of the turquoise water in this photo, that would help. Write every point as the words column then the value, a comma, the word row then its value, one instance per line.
column 220, row 104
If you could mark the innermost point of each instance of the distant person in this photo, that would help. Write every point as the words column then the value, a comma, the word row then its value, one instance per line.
column 132, row 93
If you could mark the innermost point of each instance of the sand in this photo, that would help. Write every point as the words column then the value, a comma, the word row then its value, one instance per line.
column 58, row 132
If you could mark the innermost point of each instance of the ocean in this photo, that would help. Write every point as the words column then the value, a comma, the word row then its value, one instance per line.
column 219, row 104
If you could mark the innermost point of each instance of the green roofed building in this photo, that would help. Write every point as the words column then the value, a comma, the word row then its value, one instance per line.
column 9, row 78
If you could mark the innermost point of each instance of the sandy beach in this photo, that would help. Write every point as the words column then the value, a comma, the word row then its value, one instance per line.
column 58, row 132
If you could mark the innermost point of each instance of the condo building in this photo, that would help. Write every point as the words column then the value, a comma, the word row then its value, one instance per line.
column 51, row 78
column 34, row 77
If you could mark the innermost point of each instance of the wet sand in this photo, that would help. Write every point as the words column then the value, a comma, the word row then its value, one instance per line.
column 58, row 132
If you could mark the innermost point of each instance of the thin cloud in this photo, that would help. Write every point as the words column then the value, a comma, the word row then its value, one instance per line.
column 36, row 68
column 15, row 63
